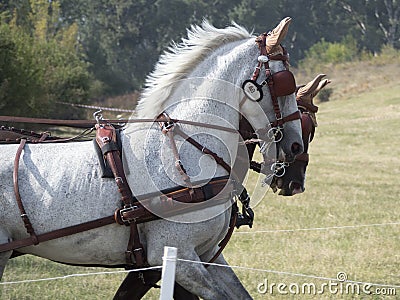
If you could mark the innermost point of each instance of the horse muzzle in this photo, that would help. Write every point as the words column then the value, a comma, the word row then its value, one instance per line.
column 291, row 189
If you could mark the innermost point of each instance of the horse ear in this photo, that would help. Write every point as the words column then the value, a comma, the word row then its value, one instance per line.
column 307, row 92
column 321, row 85
column 276, row 36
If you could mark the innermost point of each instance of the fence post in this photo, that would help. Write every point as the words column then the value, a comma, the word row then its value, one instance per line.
column 168, row 273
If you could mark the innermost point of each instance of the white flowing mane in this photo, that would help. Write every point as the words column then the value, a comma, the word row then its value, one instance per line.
column 179, row 59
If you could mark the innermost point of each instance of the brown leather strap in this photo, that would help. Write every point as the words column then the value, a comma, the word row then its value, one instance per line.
column 167, row 128
column 107, row 140
column 24, row 216
column 203, row 149
column 293, row 116
column 11, row 135
column 261, row 41
column 263, row 51
column 58, row 233
column 135, row 248
column 221, row 162
column 169, row 205
column 43, row 137
column 222, row 244
column 140, row 215
column 117, row 122
column 302, row 157
column 274, row 99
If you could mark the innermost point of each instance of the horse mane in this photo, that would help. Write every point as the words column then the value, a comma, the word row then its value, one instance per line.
column 176, row 62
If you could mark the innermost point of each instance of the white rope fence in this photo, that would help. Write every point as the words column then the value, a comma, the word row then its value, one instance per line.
column 78, row 275
column 97, row 107
column 286, row 273
column 318, row 228
column 170, row 256
column 237, row 267
column 168, row 274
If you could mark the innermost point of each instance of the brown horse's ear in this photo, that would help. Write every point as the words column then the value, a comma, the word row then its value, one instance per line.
column 321, row 85
column 276, row 36
column 306, row 93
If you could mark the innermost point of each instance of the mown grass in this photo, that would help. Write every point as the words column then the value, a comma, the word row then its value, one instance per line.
column 352, row 181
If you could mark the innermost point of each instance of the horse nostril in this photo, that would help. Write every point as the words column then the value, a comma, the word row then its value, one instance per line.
column 296, row 148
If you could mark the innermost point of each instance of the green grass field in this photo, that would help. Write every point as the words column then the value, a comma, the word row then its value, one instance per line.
column 347, row 220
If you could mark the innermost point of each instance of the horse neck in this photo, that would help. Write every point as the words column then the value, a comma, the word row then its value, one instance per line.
column 210, row 94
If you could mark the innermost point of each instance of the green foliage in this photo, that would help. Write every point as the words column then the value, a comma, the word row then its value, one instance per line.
column 325, row 94
column 389, row 54
column 122, row 39
column 41, row 65
column 323, row 53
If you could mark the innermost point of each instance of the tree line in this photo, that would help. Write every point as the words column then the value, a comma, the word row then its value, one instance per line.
column 72, row 50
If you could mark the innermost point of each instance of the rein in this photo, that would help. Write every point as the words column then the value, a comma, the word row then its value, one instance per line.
column 118, row 123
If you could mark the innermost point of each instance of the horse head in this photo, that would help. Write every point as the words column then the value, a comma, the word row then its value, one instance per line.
column 277, row 124
column 292, row 182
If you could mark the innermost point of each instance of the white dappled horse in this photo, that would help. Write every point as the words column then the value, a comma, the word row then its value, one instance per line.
column 197, row 80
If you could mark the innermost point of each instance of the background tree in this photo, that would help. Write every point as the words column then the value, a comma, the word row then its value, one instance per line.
column 40, row 62
column 75, row 49
column 375, row 22
column 123, row 38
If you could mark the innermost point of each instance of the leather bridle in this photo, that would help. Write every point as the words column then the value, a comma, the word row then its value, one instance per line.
column 279, row 84
column 308, row 130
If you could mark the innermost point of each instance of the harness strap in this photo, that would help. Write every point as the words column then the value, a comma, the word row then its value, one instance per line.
column 135, row 247
column 222, row 244
column 247, row 215
column 261, row 41
column 237, row 219
column 55, row 234
column 167, row 128
column 203, row 149
column 107, row 140
column 24, row 216
column 134, row 214
column 303, row 157
column 117, row 122
column 293, row 116
column 11, row 135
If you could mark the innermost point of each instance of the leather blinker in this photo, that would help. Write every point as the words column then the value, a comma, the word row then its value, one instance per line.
column 284, row 83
